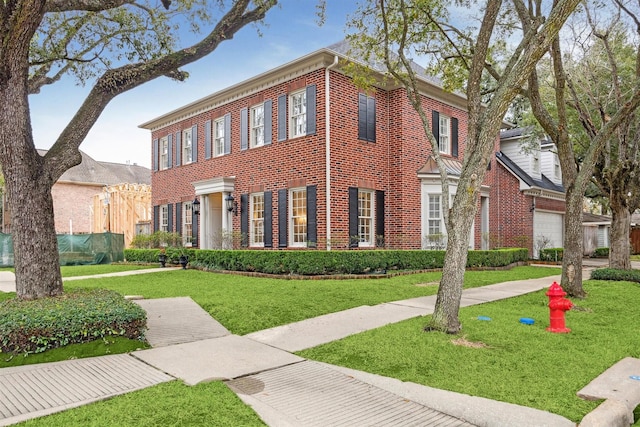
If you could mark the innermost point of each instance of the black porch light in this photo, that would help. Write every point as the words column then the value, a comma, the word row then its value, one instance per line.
column 196, row 206
column 232, row 205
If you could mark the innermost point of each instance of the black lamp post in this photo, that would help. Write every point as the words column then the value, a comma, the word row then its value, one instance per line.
column 196, row 206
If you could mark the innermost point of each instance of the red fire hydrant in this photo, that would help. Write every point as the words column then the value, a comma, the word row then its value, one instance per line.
column 557, row 306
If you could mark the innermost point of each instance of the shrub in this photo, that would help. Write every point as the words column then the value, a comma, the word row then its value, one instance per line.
column 156, row 240
column 551, row 254
column 616, row 275
column 601, row 253
column 313, row 262
column 76, row 316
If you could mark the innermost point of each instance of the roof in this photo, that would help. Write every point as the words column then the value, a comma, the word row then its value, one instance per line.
column 90, row 171
column 453, row 167
column 320, row 59
column 544, row 183
column 516, row 132
column 588, row 217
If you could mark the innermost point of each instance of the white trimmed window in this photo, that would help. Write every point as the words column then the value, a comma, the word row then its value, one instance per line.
column 434, row 213
column 187, row 223
column 557, row 171
column 164, row 218
column 218, row 141
column 256, row 213
column 298, row 113
column 164, row 153
column 298, row 217
column 365, row 218
column 444, row 145
column 187, row 147
column 535, row 162
column 257, row 126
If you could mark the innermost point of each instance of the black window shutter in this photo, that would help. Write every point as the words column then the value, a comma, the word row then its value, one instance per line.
column 454, row 137
column 244, row 129
column 371, row 119
column 207, row 139
column 282, row 117
column 169, row 150
column 379, row 218
column 194, row 228
column 312, row 216
column 311, row 110
column 362, row 116
column 179, row 218
column 435, row 128
column 170, row 218
column 156, row 218
column 227, row 133
column 268, row 219
column 353, row 217
column 178, row 148
column 194, row 143
column 244, row 219
column 283, row 218
column 154, row 154
column 268, row 107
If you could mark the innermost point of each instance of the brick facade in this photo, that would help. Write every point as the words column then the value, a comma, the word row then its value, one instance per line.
column 389, row 166
column 72, row 205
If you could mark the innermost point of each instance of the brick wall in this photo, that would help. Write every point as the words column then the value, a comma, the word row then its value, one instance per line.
column 73, row 202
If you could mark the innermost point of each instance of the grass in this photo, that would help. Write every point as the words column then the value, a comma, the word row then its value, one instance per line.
column 167, row 404
column 89, row 270
column 247, row 304
column 521, row 364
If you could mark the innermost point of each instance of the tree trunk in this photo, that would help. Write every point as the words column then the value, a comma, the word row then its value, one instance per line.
column 573, row 243
column 619, row 248
column 28, row 185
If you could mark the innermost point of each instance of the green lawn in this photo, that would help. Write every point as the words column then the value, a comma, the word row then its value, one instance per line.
column 521, row 364
column 88, row 270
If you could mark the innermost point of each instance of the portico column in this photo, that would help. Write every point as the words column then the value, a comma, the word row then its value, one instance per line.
column 203, row 229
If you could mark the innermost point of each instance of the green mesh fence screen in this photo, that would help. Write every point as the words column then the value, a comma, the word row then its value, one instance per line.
column 75, row 249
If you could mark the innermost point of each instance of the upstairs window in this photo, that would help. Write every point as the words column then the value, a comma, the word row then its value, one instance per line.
column 444, row 145
column 187, row 147
column 257, row 126
column 298, row 114
column 164, row 153
column 557, row 171
column 218, row 141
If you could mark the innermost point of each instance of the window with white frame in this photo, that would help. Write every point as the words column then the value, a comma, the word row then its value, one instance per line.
column 298, row 113
column 365, row 218
column 298, row 217
column 535, row 162
column 436, row 236
column 256, row 213
column 187, row 223
column 557, row 171
column 164, row 218
column 443, row 140
column 257, row 126
column 164, row 153
column 187, row 147
column 218, row 139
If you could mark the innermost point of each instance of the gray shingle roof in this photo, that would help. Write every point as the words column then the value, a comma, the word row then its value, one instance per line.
column 104, row 173
column 544, row 183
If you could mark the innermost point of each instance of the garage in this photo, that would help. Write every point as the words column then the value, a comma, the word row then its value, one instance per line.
column 548, row 226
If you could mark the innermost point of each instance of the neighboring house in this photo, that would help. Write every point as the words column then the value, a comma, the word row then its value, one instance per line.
column 75, row 191
column 597, row 229
column 299, row 157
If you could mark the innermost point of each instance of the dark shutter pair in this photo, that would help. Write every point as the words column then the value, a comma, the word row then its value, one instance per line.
column 268, row 219
column 244, row 125
column 312, row 222
column 283, row 114
column 366, row 118
column 208, row 137
column 194, row 146
column 435, row 129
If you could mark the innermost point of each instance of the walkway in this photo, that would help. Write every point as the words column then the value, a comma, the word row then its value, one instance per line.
column 284, row 389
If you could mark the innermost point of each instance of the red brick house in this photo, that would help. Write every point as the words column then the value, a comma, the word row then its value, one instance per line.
column 300, row 157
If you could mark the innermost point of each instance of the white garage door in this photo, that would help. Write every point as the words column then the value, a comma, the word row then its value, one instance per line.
column 548, row 226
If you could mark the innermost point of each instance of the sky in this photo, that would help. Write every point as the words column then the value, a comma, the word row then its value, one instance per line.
column 291, row 31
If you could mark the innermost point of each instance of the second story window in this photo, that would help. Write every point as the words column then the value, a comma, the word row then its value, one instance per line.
column 164, row 153
column 557, row 172
column 187, row 147
column 298, row 114
column 443, row 140
column 257, row 126
column 219, row 136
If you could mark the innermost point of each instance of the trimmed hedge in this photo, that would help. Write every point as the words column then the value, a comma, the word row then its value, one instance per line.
column 616, row 275
column 551, row 254
column 601, row 253
column 313, row 262
column 76, row 316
